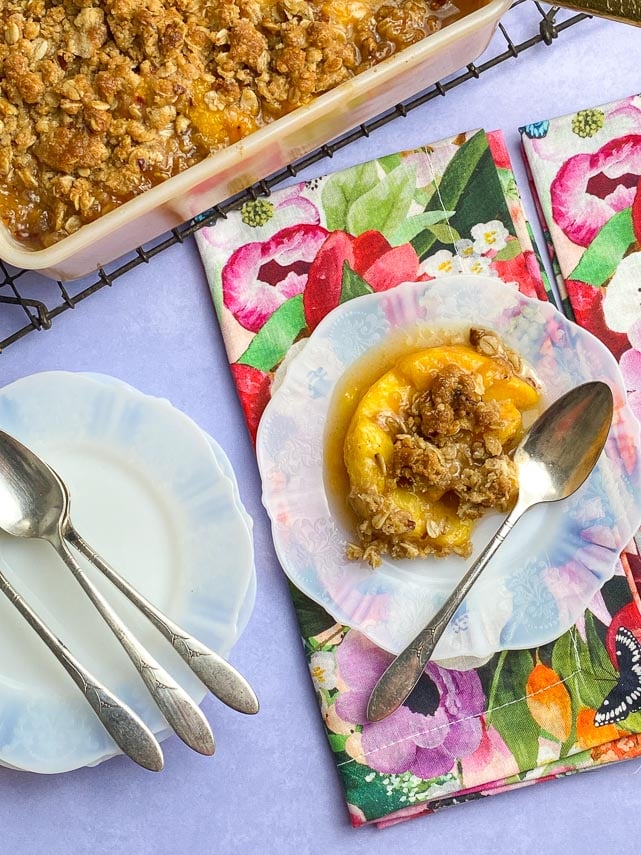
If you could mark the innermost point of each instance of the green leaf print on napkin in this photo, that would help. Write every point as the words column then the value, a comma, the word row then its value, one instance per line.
column 605, row 253
column 585, row 668
column 512, row 717
column 353, row 285
column 444, row 233
column 472, row 189
column 511, row 249
column 312, row 618
column 380, row 793
column 341, row 188
column 360, row 199
column 413, row 226
column 275, row 337
column 390, row 161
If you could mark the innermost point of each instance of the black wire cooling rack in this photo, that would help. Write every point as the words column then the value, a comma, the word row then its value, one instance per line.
column 29, row 303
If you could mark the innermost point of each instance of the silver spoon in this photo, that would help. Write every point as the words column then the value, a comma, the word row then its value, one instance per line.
column 553, row 460
column 221, row 678
column 122, row 723
column 34, row 504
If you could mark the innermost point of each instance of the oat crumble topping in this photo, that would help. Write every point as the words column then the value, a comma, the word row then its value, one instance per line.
column 449, row 447
column 100, row 101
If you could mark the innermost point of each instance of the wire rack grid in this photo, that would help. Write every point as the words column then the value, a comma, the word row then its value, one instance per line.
column 27, row 306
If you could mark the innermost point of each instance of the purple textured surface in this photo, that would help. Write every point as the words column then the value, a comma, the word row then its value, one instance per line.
column 272, row 786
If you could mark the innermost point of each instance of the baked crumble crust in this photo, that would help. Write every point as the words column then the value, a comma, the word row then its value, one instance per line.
column 449, row 448
column 99, row 101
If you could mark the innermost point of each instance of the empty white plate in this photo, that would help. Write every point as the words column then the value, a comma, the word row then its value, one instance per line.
column 157, row 498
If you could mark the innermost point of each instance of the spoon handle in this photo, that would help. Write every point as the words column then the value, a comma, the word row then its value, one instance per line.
column 405, row 670
column 221, row 678
column 184, row 716
column 127, row 730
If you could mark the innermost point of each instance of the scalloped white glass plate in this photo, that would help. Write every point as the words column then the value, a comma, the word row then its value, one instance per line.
column 558, row 556
column 227, row 470
column 157, row 497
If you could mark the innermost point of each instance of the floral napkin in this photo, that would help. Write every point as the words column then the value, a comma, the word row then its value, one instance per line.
column 276, row 267
column 585, row 171
column 586, row 174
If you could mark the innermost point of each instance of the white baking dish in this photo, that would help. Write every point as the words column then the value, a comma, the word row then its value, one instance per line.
column 231, row 170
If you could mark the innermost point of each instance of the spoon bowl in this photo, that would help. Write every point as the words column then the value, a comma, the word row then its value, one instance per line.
column 553, row 460
column 31, row 501
column 563, row 445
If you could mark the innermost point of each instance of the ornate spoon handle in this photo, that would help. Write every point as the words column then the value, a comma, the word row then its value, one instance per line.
column 221, row 678
column 184, row 716
column 405, row 670
column 127, row 730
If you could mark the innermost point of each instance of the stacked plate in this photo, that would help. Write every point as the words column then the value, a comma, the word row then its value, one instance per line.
column 158, row 499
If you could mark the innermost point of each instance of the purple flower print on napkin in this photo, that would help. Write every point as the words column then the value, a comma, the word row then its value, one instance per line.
column 438, row 723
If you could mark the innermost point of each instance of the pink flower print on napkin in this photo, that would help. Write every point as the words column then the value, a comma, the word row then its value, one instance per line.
column 438, row 724
column 492, row 753
column 260, row 276
column 590, row 188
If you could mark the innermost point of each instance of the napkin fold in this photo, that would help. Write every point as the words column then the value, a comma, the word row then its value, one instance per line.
column 524, row 716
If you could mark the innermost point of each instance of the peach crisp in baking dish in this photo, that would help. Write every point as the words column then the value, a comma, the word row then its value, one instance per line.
column 426, row 446
column 99, row 101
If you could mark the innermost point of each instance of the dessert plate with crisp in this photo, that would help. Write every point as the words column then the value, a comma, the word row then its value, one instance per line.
column 557, row 558
column 159, row 499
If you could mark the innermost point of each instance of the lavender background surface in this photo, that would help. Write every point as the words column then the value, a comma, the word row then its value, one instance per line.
column 272, row 786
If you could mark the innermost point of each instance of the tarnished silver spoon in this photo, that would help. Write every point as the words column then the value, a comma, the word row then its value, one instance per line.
column 34, row 504
column 125, row 727
column 221, row 678
column 553, row 459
